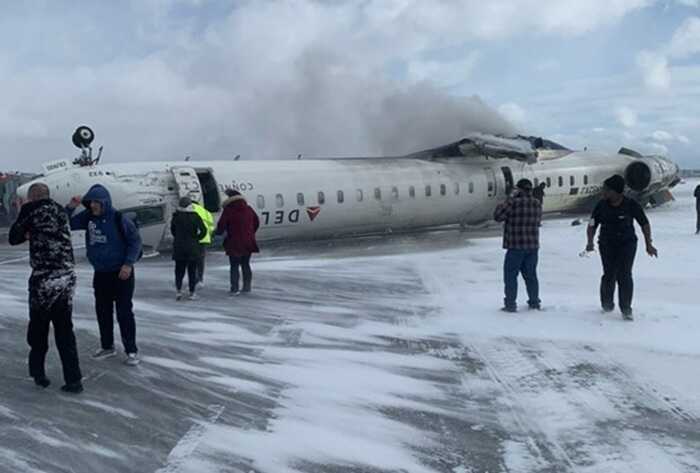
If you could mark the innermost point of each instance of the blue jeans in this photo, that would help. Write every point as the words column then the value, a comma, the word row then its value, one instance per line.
column 525, row 262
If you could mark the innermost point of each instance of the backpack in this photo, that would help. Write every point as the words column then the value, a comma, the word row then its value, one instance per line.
column 119, row 220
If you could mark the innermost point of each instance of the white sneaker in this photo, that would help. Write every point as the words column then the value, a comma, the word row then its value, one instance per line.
column 103, row 353
column 178, row 296
column 193, row 296
column 234, row 293
column 132, row 359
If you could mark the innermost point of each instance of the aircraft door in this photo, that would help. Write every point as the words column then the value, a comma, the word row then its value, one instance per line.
column 508, row 178
column 187, row 183
column 491, row 183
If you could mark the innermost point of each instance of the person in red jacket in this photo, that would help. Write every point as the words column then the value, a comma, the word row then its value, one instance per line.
column 239, row 222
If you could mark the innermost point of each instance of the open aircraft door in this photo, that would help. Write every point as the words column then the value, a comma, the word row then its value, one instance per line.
column 187, row 183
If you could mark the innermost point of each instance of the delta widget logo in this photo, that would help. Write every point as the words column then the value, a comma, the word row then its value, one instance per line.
column 313, row 212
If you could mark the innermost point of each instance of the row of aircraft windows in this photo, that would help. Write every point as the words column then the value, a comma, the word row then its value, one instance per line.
column 428, row 192
column 360, row 195
column 560, row 181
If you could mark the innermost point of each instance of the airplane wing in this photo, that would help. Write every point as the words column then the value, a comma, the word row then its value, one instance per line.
column 519, row 148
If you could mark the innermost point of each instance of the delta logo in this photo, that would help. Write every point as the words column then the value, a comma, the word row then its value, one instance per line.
column 313, row 212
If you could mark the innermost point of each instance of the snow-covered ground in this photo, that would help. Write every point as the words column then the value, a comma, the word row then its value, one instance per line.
column 378, row 355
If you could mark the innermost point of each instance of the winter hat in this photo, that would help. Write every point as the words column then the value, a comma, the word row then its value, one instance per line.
column 524, row 185
column 615, row 183
column 231, row 192
column 185, row 202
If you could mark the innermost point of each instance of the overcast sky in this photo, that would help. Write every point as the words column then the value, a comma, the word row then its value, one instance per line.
column 163, row 79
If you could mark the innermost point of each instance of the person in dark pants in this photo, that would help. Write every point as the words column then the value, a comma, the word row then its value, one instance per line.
column 697, row 209
column 51, row 285
column 239, row 223
column 615, row 214
column 187, row 229
column 113, row 246
column 538, row 192
column 522, row 215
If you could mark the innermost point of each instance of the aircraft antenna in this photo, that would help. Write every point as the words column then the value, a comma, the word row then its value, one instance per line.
column 238, row 156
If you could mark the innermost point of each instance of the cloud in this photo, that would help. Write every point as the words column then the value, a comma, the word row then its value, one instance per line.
column 513, row 112
column 264, row 79
column 686, row 40
column 661, row 135
column 626, row 116
column 442, row 73
column 689, row 3
column 654, row 67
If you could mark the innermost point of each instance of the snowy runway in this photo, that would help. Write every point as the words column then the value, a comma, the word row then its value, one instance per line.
column 373, row 356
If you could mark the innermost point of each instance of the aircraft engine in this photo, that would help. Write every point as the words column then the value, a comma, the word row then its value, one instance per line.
column 639, row 176
column 650, row 177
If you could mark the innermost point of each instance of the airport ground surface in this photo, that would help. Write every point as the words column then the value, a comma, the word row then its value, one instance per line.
column 376, row 355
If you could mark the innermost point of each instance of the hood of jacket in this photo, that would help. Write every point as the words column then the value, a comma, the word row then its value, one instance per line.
column 100, row 194
column 233, row 200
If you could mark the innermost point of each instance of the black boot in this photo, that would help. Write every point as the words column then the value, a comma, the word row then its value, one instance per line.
column 73, row 388
column 42, row 381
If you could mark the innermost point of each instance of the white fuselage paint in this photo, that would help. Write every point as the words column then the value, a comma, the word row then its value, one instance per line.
column 350, row 196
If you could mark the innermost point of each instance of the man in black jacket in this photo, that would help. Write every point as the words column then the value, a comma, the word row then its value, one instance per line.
column 697, row 209
column 45, row 224
column 616, row 214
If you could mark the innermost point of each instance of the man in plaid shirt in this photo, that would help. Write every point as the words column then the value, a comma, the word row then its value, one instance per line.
column 522, row 214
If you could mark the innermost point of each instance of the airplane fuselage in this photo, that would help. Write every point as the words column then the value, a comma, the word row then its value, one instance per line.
column 311, row 199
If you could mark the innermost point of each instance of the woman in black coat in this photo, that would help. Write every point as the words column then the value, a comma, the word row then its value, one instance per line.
column 187, row 229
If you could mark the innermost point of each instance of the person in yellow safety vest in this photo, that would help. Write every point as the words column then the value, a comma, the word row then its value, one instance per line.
column 208, row 220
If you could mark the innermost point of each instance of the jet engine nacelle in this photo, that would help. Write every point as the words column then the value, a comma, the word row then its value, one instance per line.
column 647, row 175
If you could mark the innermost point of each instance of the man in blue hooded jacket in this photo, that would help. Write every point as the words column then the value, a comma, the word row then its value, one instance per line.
column 113, row 245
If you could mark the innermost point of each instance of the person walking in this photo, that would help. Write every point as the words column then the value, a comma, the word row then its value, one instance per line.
column 205, row 241
column 697, row 209
column 538, row 192
column 113, row 246
column 188, row 229
column 51, row 285
column 238, row 223
column 615, row 214
column 522, row 215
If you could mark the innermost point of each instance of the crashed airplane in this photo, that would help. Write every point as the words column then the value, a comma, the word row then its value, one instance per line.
column 460, row 183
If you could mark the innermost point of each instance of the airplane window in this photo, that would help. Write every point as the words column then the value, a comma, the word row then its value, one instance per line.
column 261, row 201
column 561, row 181
column 395, row 193
column 321, row 198
column 572, row 180
column 377, row 193
column 428, row 191
column 471, row 187
column 443, row 189
column 359, row 195
column 300, row 199
column 549, row 182
column 585, row 180
column 490, row 186
column 341, row 197
column 456, row 186
column 412, row 192
column 144, row 216
column 279, row 201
